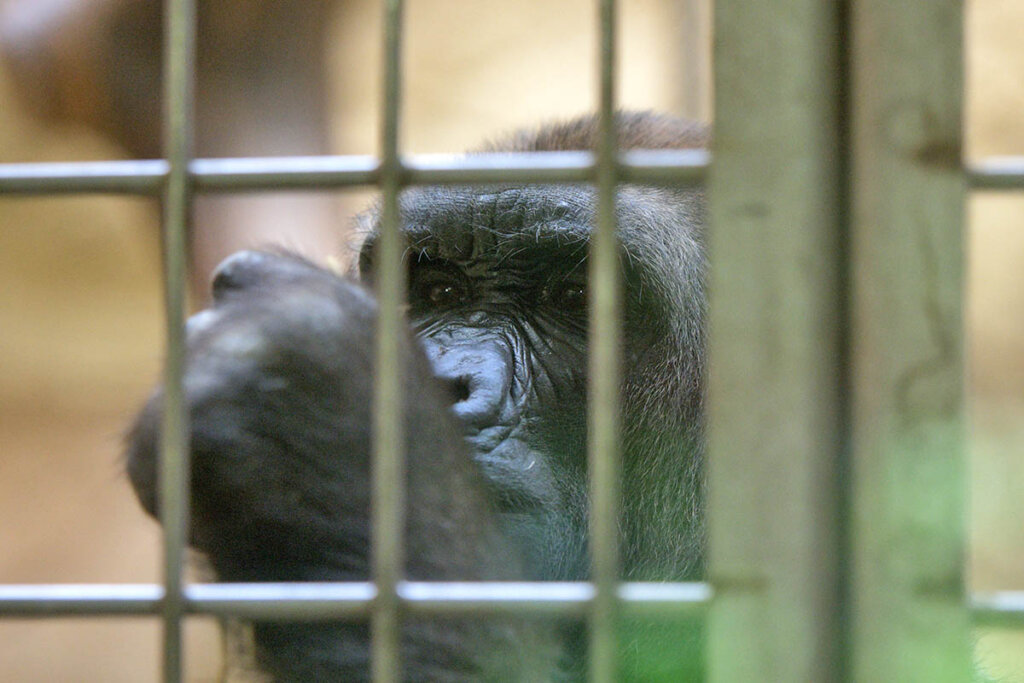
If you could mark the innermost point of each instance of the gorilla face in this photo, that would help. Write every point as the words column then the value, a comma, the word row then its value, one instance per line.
column 500, row 307
column 498, row 296
column 278, row 387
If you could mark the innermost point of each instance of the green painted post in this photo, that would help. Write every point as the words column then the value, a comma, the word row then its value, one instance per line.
column 907, row 211
column 776, row 355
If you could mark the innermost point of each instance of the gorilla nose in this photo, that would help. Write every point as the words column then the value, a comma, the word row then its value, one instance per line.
column 479, row 378
column 485, row 394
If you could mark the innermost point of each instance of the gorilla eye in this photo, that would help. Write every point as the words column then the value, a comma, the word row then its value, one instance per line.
column 569, row 297
column 436, row 287
column 444, row 294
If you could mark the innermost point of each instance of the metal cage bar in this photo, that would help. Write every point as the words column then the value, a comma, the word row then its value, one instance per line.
column 997, row 173
column 338, row 600
column 313, row 601
column 749, row 571
column 998, row 608
column 651, row 167
column 604, row 371
column 179, row 68
column 387, row 471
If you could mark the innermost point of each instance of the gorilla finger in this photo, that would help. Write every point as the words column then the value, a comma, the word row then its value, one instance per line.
column 246, row 270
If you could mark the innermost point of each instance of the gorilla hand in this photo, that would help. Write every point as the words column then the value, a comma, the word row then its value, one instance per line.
column 278, row 390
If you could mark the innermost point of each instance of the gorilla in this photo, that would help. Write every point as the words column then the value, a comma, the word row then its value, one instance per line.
column 278, row 388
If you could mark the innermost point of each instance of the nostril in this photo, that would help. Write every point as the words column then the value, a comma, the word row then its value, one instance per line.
column 483, row 401
column 476, row 376
column 456, row 388
column 461, row 389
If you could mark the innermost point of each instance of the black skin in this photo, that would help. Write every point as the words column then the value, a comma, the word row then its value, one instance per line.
column 278, row 386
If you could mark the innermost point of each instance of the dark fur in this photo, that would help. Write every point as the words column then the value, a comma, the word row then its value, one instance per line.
column 278, row 385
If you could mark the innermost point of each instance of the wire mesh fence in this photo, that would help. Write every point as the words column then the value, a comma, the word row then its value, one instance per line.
column 761, row 573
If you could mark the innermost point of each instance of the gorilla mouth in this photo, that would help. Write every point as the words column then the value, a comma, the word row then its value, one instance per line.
column 513, row 471
column 483, row 442
column 508, row 501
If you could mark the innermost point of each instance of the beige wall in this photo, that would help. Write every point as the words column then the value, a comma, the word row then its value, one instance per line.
column 995, row 319
column 80, row 325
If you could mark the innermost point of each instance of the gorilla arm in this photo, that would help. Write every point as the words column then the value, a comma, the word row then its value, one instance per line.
column 278, row 388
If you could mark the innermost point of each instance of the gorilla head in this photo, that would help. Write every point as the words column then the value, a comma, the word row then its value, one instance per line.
column 278, row 385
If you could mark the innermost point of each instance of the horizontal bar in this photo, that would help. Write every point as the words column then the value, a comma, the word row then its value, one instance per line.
column 291, row 601
column 996, row 173
column 998, row 608
column 643, row 167
column 663, row 166
column 282, row 601
column 69, row 599
column 657, row 167
column 283, row 173
column 482, row 599
column 320, row 601
column 521, row 167
column 122, row 177
column 663, row 599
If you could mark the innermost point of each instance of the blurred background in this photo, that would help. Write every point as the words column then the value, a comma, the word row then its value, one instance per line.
column 80, row 300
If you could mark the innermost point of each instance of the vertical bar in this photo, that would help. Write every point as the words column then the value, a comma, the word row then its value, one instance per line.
column 907, row 202
column 776, row 374
column 388, row 467
column 179, row 51
column 604, row 372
